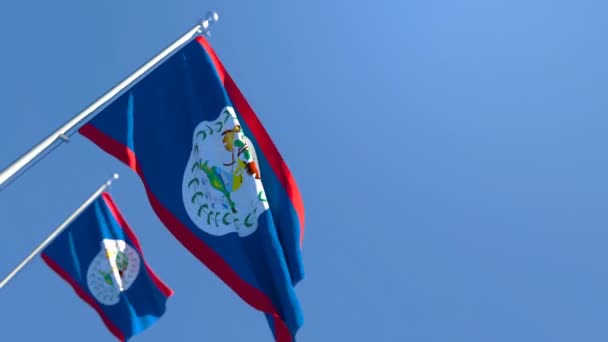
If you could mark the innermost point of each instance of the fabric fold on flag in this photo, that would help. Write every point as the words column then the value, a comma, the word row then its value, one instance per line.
column 100, row 256
column 213, row 177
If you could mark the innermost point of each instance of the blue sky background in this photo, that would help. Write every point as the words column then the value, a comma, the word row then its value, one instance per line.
column 451, row 155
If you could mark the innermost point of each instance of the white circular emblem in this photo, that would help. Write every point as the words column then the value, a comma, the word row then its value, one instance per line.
column 112, row 271
column 222, row 188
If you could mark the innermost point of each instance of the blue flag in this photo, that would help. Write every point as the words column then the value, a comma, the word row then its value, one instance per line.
column 214, row 178
column 100, row 257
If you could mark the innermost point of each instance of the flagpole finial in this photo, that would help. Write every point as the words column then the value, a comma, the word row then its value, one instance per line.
column 210, row 18
column 109, row 182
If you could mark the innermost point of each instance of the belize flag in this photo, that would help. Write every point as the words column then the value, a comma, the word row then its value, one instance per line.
column 214, row 178
column 100, row 257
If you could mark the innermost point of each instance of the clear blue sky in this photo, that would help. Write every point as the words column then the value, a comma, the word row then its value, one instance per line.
column 452, row 157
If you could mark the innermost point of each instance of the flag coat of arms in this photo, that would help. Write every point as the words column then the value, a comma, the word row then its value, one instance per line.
column 214, row 178
column 101, row 258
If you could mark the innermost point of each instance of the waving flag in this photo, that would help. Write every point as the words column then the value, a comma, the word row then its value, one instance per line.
column 214, row 178
column 100, row 257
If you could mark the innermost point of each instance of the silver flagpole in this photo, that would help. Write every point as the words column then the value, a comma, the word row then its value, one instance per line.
column 87, row 114
column 58, row 230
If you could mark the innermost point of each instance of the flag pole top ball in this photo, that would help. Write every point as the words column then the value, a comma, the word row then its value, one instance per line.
column 210, row 18
column 109, row 182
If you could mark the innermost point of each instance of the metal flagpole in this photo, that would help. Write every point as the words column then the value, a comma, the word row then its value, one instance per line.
column 87, row 114
column 59, row 229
